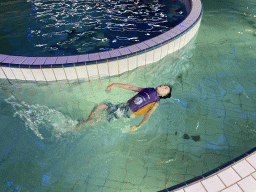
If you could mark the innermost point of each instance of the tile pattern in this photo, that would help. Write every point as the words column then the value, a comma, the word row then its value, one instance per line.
column 238, row 177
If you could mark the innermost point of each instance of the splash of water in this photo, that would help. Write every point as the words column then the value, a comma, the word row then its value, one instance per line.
column 35, row 116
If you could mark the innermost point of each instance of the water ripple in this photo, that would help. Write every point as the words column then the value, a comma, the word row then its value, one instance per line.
column 62, row 27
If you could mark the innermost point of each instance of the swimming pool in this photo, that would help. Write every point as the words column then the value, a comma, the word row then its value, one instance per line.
column 209, row 120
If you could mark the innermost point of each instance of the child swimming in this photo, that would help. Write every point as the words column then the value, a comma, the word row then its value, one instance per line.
column 145, row 102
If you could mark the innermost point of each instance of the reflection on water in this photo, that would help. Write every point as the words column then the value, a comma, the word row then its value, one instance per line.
column 56, row 28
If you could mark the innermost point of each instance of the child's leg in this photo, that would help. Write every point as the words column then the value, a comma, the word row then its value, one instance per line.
column 93, row 119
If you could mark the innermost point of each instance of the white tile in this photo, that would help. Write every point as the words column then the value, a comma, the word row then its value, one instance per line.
column 164, row 51
column 70, row 73
column 92, row 71
column 187, row 38
column 157, row 55
column 2, row 75
column 8, row 72
column 199, row 22
column 28, row 74
column 243, row 168
column 149, row 57
column 141, row 59
column 190, row 35
column 103, row 70
column 193, row 32
column 18, row 74
column 123, row 66
column 113, row 68
column 254, row 175
column 132, row 61
column 248, row 184
column 213, row 184
column 198, row 187
column 229, row 176
column 233, row 188
column 49, row 75
column 196, row 29
column 82, row 72
column 38, row 74
column 59, row 73
column 252, row 160
column 182, row 40
column 171, row 46
column 176, row 44
column 197, row 26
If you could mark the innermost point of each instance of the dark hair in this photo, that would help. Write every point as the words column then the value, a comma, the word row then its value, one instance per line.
column 169, row 94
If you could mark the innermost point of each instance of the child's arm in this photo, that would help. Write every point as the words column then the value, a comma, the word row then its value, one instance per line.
column 128, row 87
column 146, row 117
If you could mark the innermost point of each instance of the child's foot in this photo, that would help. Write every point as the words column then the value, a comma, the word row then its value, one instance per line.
column 80, row 122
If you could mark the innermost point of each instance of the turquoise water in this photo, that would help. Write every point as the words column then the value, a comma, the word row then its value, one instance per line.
column 57, row 28
column 209, row 120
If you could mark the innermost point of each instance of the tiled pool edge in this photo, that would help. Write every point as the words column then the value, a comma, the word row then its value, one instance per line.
column 181, row 186
column 103, row 64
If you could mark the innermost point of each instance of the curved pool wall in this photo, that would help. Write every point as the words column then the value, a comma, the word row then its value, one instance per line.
column 104, row 64
column 241, row 171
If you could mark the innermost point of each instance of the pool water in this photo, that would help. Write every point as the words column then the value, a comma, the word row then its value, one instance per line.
column 210, row 119
column 57, row 28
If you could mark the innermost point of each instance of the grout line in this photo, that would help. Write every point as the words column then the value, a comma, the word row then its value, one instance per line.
column 222, row 181
column 200, row 181
column 203, row 185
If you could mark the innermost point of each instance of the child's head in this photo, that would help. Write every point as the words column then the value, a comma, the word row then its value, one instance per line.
column 164, row 91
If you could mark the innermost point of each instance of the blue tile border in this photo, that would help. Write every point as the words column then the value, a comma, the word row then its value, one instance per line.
column 112, row 59
column 47, row 66
column 113, row 55
column 209, row 173
column 69, row 65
